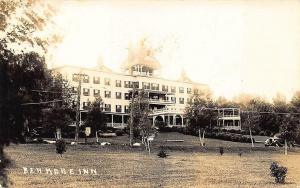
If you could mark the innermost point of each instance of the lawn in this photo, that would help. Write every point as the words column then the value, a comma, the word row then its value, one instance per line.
column 120, row 166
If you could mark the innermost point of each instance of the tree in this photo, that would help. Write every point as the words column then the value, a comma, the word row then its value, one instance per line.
column 56, row 119
column 295, row 108
column 95, row 118
column 200, row 115
column 22, row 64
column 140, row 113
column 289, row 130
column 53, row 88
column 262, row 116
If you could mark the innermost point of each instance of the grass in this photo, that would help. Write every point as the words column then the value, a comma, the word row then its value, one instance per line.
column 120, row 166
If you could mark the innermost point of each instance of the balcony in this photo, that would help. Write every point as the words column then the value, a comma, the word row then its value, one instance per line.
column 165, row 111
column 230, row 117
column 161, row 101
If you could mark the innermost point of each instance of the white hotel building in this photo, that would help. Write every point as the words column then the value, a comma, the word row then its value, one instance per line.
column 168, row 98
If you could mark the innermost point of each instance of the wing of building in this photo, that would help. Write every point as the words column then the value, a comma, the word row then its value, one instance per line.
column 168, row 98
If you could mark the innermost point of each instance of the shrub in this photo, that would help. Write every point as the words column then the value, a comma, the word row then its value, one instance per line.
column 119, row 132
column 40, row 140
column 221, row 150
column 162, row 153
column 262, row 133
column 245, row 132
column 60, row 146
column 240, row 154
column 279, row 173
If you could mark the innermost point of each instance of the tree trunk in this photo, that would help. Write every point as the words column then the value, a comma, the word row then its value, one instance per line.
column 200, row 139
column 97, row 138
column 285, row 147
column 58, row 133
column 251, row 137
column 203, row 138
column 4, row 163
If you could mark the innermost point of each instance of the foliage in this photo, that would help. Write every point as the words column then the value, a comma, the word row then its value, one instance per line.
column 289, row 128
column 22, row 68
column 198, row 117
column 23, row 23
column 22, row 41
column 279, row 173
column 140, row 114
column 96, row 119
column 262, row 121
column 57, row 117
column 60, row 146
column 119, row 132
column 221, row 150
column 162, row 153
column 4, row 163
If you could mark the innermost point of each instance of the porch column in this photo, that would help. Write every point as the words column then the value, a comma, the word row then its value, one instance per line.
column 153, row 120
column 112, row 120
column 174, row 119
column 122, row 120
column 182, row 121
column 168, row 120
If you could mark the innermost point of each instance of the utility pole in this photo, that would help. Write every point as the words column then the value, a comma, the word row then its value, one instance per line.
column 80, row 75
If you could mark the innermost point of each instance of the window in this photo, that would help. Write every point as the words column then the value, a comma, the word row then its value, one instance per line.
column 107, row 107
column 126, row 109
column 86, row 79
column 118, row 95
column 154, row 86
column 126, row 96
column 126, row 84
column 96, row 92
column 74, row 89
column 118, row 108
column 107, row 94
column 85, row 105
column 96, row 80
column 75, row 77
column 181, row 90
column 173, row 89
column 181, row 100
column 118, row 83
column 129, row 84
column 165, row 88
column 146, row 85
column 188, row 100
column 173, row 99
column 107, row 81
column 136, row 84
column 86, row 92
column 189, row 90
column 196, row 91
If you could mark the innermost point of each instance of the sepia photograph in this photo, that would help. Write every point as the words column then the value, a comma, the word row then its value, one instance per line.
column 149, row 93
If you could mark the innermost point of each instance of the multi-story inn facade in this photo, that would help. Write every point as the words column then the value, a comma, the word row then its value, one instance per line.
column 167, row 98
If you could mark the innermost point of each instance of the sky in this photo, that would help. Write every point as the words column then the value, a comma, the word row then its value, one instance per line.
column 233, row 46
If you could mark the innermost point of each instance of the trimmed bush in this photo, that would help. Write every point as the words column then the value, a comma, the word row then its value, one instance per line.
column 162, row 153
column 60, row 146
column 221, row 150
column 279, row 173
column 119, row 132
